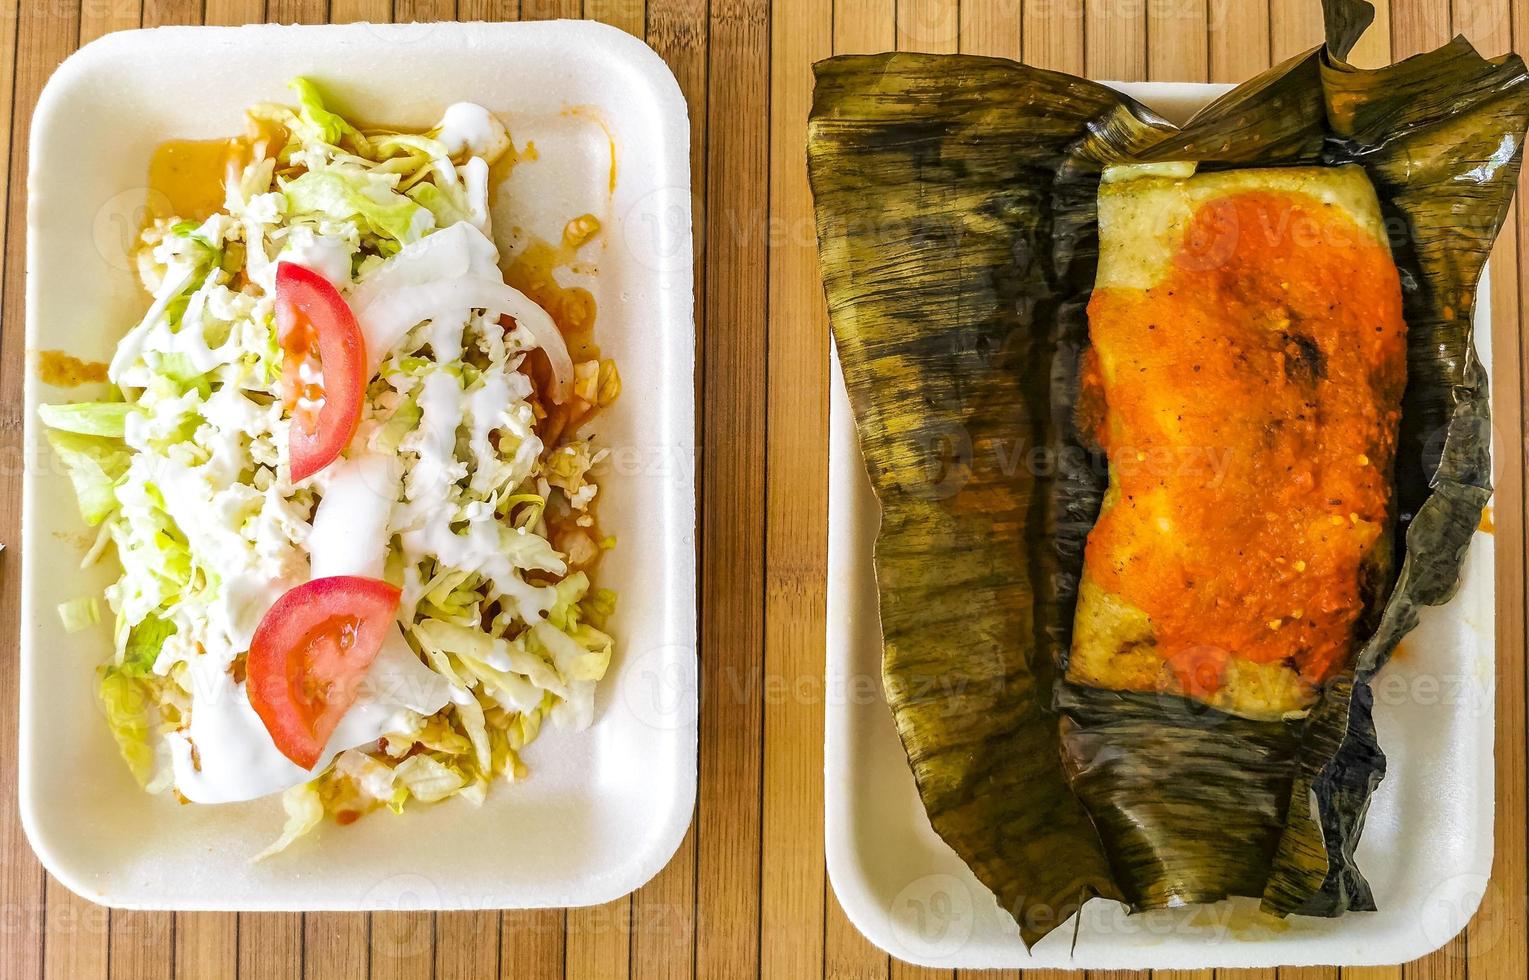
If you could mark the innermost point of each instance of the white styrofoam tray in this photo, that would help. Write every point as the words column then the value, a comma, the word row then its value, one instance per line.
column 1427, row 845
column 601, row 811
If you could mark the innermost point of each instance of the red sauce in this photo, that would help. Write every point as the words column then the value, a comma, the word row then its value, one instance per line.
column 1253, row 397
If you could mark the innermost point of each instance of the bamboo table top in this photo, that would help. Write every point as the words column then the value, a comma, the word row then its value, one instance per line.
column 746, row 894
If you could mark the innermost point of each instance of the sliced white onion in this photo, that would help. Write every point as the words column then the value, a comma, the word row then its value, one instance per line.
column 450, row 253
column 550, row 339
column 389, row 316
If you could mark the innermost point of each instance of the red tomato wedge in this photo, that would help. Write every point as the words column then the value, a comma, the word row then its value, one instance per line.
column 323, row 367
column 309, row 656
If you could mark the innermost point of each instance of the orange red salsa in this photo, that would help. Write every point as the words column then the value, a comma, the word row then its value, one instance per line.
column 1252, row 398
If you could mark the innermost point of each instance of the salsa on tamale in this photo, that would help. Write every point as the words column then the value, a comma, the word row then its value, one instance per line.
column 1247, row 363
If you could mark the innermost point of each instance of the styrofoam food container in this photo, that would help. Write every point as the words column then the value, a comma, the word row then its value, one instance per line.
column 601, row 811
column 1427, row 844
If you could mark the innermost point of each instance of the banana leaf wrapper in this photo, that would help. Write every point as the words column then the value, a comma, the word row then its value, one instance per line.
column 956, row 209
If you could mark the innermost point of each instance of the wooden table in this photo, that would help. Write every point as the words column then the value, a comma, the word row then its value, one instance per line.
column 746, row 894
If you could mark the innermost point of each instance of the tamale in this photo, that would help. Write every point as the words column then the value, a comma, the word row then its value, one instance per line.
column 1248, row 359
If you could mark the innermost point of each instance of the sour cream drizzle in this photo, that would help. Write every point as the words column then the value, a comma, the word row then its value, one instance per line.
column 234, row 756
column 425, row 520
column 467, row 127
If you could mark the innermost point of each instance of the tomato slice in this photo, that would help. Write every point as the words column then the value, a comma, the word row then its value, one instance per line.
column 309, row 655
column 323, row 368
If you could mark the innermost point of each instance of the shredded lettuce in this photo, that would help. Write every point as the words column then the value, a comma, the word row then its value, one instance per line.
column 583, row 655
column 439, row 736
column 190, row 229
column 565, row 612
column 600, row 606
column 371, row 778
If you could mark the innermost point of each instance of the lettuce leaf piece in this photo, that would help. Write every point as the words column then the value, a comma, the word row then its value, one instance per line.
column 342, row 193
column 427, row 779
column 180, row 369
column 470, row 714
column 577, row 711
column 371, row 778
column 193, row 230
column 79, row 614
column 155, row 556
column 330, row 127
column 404, row 420
column 448, row 205
column 523, row 729
column 409, row 144
column 305, row 809
column 599, row 606
column 94, row 465
column 583, row 655
column 437, row 735
column 475, row 792
column 564, row 613
column 126, row 700
column 143, row 645
column 312, row 126
column 87, row 418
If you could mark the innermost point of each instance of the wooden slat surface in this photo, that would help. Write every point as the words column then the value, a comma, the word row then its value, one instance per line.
column 791, row 900
column 746, row 894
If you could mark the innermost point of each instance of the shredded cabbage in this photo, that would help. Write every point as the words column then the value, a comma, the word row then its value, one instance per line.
column 486, row 528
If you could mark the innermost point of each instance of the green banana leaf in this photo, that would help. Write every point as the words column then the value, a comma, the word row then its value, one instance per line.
column 955, row 201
